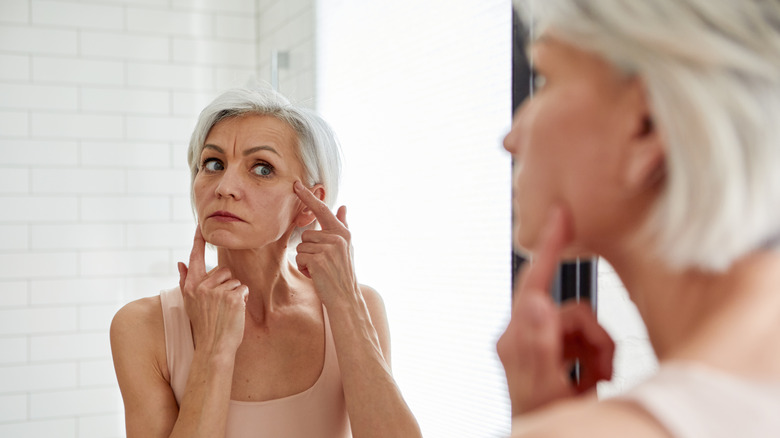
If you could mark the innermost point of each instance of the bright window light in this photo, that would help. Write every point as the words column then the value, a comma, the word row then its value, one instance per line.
column 419, row 94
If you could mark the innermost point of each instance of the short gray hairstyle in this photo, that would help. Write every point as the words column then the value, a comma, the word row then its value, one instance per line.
column 318, row 147
column 712, row 74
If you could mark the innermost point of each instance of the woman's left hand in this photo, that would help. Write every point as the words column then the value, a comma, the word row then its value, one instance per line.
column 325, row 255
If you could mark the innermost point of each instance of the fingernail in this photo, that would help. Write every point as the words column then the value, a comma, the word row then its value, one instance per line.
column 297, row 185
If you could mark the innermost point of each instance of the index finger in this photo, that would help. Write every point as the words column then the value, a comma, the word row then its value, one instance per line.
column 551, row 244
column 319, row 208
column 197, row 264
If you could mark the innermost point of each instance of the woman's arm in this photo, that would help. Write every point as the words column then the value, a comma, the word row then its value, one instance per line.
column 151, row 411
column 376, row 406
column 359, row 325
column 215, row 306
column 136, row 340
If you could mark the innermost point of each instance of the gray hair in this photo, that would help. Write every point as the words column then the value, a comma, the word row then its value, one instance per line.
column 318, row 147
column 712, row 75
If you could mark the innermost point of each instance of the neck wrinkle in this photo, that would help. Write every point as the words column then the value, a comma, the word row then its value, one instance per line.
column 268, row 275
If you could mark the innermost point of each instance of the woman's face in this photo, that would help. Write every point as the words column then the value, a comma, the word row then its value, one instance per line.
column 567, row 142
column 244, row 187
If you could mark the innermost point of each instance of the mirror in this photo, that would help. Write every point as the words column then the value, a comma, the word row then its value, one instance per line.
column 97, row 103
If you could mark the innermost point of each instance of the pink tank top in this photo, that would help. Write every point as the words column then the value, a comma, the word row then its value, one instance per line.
column 319, row 411
column 692, row 400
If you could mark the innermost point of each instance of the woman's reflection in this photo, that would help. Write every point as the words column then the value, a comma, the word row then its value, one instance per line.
column 257, row 346
column 652, row 140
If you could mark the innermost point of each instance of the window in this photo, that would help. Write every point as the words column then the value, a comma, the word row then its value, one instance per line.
column 420, row 95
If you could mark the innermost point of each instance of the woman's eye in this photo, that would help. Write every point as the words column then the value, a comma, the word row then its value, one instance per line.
column 538, row 80
column 263, row 170
column 213, row 165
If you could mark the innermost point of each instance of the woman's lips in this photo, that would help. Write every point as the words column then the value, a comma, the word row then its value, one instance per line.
column 225, row 216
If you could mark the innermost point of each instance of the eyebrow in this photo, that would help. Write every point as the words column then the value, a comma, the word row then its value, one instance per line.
column 249, row 151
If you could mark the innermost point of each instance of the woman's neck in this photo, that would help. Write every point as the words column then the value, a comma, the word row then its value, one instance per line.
column 670, row 302
column 268, row 275
column 685, row 310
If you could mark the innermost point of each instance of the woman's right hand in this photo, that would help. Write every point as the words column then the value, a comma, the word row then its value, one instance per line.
column 541, row 340
column 215, row 302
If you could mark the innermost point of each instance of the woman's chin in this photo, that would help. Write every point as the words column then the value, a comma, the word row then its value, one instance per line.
column 524, row 241
column 226, row 240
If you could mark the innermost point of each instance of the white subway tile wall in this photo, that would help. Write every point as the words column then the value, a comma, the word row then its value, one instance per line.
column 14, row 123
column 14, row 67
column 85, row 72
column 98, row 100
column 287, row 27
column 15, row 11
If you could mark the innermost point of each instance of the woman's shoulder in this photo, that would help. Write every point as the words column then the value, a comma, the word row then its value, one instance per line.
column 371, row 295
column 137, row 331
column 143, row 312
column 697, row 399
column 138, row 325
column 585, row 416
column 374, row 302
column 681, row 400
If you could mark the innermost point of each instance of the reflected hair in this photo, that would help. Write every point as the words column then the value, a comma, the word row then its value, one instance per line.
column 317, row 147
column 712, row 74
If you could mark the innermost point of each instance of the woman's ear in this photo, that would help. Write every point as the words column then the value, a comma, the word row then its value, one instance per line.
column 645, row 164
column 306, row 215
column 645, row 156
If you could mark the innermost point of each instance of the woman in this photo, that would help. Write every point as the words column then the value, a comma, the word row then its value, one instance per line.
column 258, row 347
column 653, row 141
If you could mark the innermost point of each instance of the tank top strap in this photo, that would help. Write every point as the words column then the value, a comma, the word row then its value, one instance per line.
column 179, row 346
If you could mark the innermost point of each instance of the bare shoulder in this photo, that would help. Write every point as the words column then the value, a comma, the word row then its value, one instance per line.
column 607, row 419
column 137, row 331
column 374, row 301
column 142, row 315
column 376, row 308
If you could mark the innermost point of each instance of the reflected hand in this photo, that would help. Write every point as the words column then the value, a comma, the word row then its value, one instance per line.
column 542, row 341
column 214, row 301
column 325, row 255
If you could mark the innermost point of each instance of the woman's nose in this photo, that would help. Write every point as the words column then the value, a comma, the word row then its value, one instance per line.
column 229, row 184
column 513, row 140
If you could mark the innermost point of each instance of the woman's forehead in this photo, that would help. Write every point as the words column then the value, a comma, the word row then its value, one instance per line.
column 253, row 132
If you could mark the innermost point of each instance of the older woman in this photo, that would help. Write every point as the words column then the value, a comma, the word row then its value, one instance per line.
column 259, row 347
column 652, row 140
